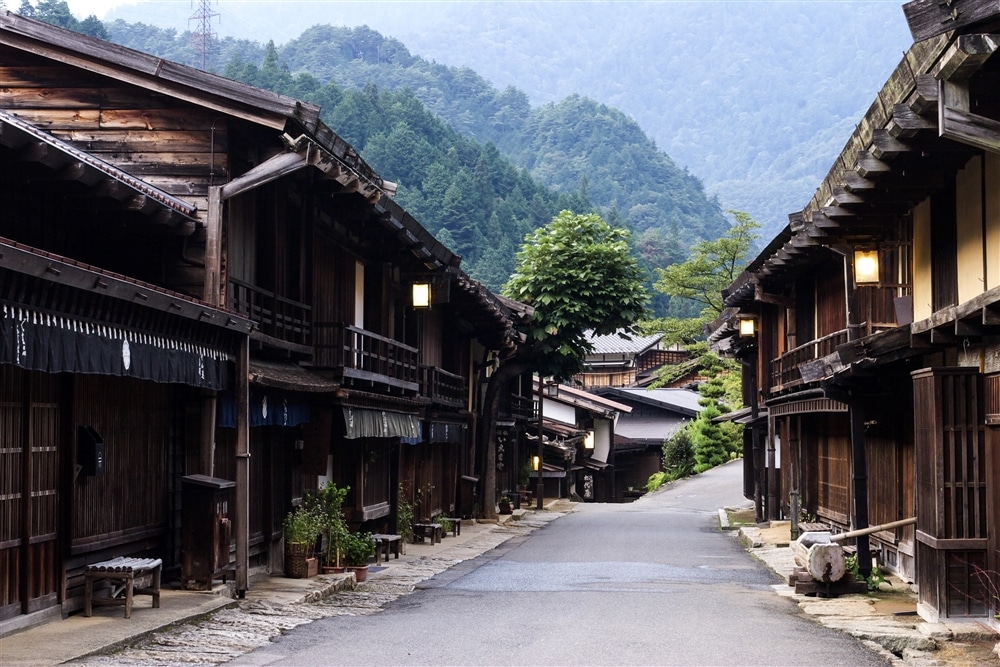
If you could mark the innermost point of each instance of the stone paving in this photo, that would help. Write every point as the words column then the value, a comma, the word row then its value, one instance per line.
column 885, row 620
column 230, row 633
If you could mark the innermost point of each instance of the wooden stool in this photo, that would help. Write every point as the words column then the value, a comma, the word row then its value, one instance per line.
column 122, row 570
column 384, row 544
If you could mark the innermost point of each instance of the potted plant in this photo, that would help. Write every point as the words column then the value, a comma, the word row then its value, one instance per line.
column 327, row 503
column 505, row 507
column 301, row 528
column 359, row 548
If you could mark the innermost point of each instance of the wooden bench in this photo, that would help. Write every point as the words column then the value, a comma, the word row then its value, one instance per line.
column 432, row 531
column 386, row 544
column 122, row 573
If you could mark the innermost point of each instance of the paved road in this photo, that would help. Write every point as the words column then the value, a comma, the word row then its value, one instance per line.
column 653, row 582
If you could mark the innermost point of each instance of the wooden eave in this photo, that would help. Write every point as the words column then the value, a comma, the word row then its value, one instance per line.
column 67, row 162
column 152, row 73
column 895, row 158
column 493, row 318
column 65, row 272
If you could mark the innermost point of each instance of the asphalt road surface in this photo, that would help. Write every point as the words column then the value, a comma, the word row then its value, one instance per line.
column 653, row 582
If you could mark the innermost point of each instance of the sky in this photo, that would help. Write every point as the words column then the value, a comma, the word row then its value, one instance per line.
column 84, row 8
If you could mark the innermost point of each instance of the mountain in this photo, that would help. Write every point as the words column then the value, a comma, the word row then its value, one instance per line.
column 753, row 98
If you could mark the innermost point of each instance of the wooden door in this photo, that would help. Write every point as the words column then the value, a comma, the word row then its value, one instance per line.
column 29, row 492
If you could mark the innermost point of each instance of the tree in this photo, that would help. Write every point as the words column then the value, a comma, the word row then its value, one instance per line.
column 712, row 267
column 578, row 274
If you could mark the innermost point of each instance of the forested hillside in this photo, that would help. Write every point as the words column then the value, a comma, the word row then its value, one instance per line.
column 754, row 98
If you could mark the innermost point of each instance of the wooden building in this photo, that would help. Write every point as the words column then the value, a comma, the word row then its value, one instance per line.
column 872, row 355
column 616, row 361
column 656, row 416
column 199, row 278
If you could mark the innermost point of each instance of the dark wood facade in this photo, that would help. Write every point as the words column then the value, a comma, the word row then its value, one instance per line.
column 214, row 283
column 873, row 398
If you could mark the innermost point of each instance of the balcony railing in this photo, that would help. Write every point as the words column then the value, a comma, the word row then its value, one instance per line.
column 522, row 407
column 785, row 369
column 363, row 355
column 276, row 316
column 442, row 387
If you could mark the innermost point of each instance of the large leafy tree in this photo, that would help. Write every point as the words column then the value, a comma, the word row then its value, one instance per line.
column 578, row 274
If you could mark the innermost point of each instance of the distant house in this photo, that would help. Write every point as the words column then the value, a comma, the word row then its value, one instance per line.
column 870, row 328
column 578, row 457
column 656, row 416
column 626, row 362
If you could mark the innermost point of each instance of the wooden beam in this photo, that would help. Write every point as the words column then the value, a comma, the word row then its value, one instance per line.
column 929, row 18
column 844, row 197
column 779, row 300
column 969, row 128
column 265, row 172
column 966, row 56
column 855, row 182
column 884, row 145
column 906, row 123
column 869, row 165
column 925, row 97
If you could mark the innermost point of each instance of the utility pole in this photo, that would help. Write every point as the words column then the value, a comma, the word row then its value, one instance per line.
column 202, row 35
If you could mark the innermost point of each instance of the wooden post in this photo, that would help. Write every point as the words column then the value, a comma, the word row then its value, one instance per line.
column 242, row 517
column 213, row 247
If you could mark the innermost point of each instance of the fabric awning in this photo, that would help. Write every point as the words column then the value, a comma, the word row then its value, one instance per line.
column 369, row 423
column 60, row 344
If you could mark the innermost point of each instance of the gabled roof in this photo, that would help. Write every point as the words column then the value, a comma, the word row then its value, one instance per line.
column 616, row 344
column 682, row 401
column 584, row 399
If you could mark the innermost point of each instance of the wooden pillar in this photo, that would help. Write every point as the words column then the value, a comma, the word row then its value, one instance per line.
column 859, row 473
column 242, row 389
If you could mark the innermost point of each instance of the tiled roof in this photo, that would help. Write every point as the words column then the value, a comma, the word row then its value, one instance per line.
column 615, row 344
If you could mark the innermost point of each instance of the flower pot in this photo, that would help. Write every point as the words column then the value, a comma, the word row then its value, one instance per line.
column 360, row 572
column 333, row 569
column 300, row 566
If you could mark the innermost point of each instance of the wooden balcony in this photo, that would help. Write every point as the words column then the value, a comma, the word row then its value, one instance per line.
column 442, row 387
column 358, row 356
column 279, row 319
column 785, row 373
column 521, row 407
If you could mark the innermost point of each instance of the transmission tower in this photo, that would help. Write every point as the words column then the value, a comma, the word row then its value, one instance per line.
column 202, row 34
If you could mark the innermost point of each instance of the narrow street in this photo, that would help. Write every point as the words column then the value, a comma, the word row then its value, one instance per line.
column 649, row 583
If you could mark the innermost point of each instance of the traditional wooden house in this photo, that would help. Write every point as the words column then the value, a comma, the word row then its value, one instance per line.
column 656, row 416
column 869, row 329
column 616, row 361
column 577, row 457
column 203, row 286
